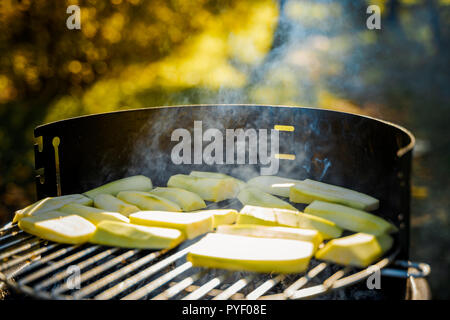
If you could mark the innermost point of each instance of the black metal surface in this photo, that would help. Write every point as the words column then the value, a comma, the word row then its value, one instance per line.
column 364, row 154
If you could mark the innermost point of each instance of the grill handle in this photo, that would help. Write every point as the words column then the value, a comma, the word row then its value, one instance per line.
column 412, row 269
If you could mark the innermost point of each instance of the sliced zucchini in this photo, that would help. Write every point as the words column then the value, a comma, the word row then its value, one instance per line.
column 188, row 201
column 94, row 215
column 349, row 218
column 217, row 175
column 232, row 252
column 148, row 201
column 309, row 190
column 191, row 224
column 210, row 189
column 135, row 183
column 51, row 204
column 110, row 203
column 127, row 235
column 58, row 226
column 359, row 249
column 251, row 230
column 288, row 218
column 274, row 185
column 255, row 197
column 222, row 216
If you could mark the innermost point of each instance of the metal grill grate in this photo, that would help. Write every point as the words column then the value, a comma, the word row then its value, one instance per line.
column 56, row 271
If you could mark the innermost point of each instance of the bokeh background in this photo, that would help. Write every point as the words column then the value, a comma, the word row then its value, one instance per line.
column 137, row 53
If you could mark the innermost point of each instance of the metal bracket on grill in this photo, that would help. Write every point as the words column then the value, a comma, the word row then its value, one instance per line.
column 413, row 269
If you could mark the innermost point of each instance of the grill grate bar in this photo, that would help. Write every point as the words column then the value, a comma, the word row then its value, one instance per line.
column 180, row 286
column 305, row 279
column 234, row 288
column 16, row 250
column 64, row 273
column 112, row 292
column 29, row 255
column 266, row 286
column 207, row 287
column 155, row 284
column 44, row 271
column 11, row 235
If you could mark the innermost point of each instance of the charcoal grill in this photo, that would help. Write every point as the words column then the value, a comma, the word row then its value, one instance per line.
column 74, row 155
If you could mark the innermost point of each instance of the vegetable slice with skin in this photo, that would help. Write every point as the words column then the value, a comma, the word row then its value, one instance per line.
column 217, row 175
column 274, row 185
column 210, row 189
column 309, row 190
column 251, row 230
column 148, row 201
column 59, row 227
column 94, row 215
column 135, row 183
column 188, row 201
column 232, row 252
column 360, row 249
column 349, row 218
column 288, row 218
column 192, row 224
column 110, row 203
column 221, row 216
column 51, row 204
column 255, row 197
column 127, row 235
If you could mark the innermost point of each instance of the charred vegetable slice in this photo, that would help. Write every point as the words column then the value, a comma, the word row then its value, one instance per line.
column 274, row 185
column 349, row 218
column 309, row 190
column 59, row 227
column 359, row 249
column 251, row 230
column 148, row 201
column 191, row 224
column 188, row 201
column 110, row 203
column 94, row 215
column 211, row 189
column 51, row 204
column 127, row 235
column 232, row 252
column 288, row 218
column 135, row 183
column 255, row 197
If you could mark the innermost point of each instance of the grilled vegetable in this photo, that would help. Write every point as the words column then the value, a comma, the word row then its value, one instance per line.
column 94, row 215
column 58, row 227
column 349, row 218
column 288, row 218
column 135, row 183
column 359, row 249
column 110, row 203
column 217, row 175
column 251, row 230
column 274, row 185
column 211, row 189
column 222, row 216
column 51, row 204
column 191, row 224
column 255, row 197
column 241, row 253
column 148, row 201
column 188, row 201
column 127, row 235
column 309, row 190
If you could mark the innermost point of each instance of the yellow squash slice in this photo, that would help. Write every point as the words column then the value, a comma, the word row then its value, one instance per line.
column 288, row 218
column 309, row 190
column 232, row 252
column 349, row 218
column 188, row 201
column 256, row 197
column 252, row 230
column 51, row 204
column 94, row 215
column 217, row 175
column 127, row 235
column 148, row 201
column 359, row 249
column 59, row 227
column 191, row 224
column 135, row 183
column 110, row 203
column 274, row 185
column 222, row 216
column 210, row 189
